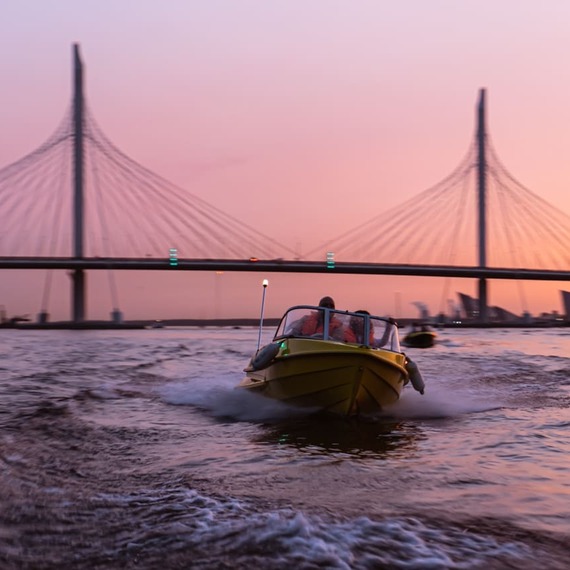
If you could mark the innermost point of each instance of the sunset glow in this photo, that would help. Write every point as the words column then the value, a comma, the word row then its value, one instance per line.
column 300, row 119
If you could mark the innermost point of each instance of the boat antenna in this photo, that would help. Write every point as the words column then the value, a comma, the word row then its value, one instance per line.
column 265, row 283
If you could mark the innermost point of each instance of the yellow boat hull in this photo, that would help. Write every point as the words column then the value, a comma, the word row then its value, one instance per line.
column 330, row 376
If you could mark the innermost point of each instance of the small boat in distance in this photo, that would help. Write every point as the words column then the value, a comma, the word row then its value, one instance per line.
column 346, row 363
column 421, row 336
column 11, row 322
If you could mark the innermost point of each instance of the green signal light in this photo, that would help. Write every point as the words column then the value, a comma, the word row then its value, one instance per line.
column 173, row 257
column 330, row 260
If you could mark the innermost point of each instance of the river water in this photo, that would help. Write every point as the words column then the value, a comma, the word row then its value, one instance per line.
column 132, row 449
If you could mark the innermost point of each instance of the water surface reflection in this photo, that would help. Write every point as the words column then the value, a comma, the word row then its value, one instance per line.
column 358, row 437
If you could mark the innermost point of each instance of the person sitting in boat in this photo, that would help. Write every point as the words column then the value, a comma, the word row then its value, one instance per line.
column 313, row 324
column 355, row 331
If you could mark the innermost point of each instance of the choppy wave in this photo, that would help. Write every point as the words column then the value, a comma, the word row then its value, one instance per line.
column 134, row 450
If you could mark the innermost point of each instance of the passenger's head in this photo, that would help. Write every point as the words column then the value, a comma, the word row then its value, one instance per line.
column 327, row 302
column 357, row 323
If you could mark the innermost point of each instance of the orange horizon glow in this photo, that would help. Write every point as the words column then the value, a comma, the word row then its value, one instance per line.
column 274, row 112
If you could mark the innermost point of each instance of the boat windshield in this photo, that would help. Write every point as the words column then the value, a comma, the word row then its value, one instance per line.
column 307, row 321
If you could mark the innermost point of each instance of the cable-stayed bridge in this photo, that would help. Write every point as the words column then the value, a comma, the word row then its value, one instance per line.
column 78, row 203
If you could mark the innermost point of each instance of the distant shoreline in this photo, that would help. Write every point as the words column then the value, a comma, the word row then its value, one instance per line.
column 243, row 322
column 143, row 324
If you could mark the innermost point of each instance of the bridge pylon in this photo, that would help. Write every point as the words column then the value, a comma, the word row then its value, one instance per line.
column 482, row 191
column 78, row 275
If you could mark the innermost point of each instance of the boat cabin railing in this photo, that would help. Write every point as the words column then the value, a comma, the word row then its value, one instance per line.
column 308, row 321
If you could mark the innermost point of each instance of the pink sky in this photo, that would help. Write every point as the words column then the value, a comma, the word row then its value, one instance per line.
column 288, row 105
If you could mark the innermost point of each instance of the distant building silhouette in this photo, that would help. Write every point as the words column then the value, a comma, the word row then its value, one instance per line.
column 470, row 307
column 566, row 304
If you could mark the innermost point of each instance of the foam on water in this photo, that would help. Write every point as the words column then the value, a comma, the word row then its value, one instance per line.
column 285, row 537
column 228, row 402
column 435, row 403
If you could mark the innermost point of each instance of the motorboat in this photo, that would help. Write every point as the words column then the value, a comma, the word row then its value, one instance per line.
column 343, row 362
column 420, row 337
